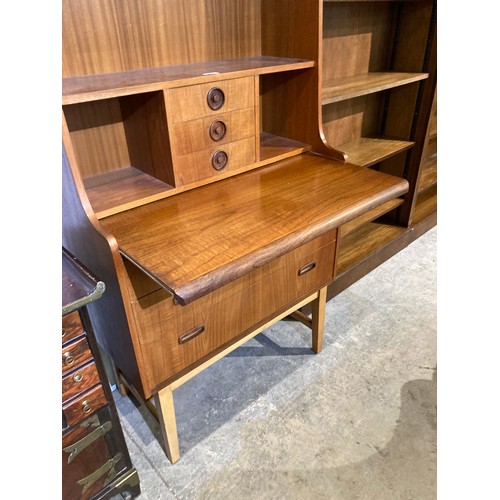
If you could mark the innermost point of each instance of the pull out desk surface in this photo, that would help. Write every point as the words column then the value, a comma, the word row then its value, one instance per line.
column 199, row 240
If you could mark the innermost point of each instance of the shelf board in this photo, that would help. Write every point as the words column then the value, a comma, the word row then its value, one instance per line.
column 367, row 151
column 363, row 242
column 118, row 190
column 104, row 86
column 428, row 176
column 273, row 147
column 370, row 216
column 367, row 83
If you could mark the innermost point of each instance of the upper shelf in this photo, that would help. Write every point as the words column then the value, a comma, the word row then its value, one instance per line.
column 104, row 86
column 367, row 83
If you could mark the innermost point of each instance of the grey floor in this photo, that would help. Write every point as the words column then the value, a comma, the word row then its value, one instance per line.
column 275, row 421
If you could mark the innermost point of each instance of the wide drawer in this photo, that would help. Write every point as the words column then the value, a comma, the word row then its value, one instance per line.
column 75, row 354
column 79, row 381
column 71, row 326
column 214, row 160
column 173, row 337
column 195, row 101
column 84, row 405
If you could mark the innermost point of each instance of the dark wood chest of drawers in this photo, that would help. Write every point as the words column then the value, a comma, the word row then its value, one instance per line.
column 95, row 458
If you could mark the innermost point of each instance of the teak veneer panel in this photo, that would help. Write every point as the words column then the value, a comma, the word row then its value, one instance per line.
column 262, row 214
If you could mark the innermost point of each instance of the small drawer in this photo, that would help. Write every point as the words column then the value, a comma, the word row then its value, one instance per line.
column 75, row 354
column 79, row 381
column 71, row 326
column 173, row 337
column 214, row 161
column 196, row 135
column 84, row 405
column 210, row 99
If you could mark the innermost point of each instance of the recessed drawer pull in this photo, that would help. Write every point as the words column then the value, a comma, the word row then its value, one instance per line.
column 191, row 334
column 68, row 358
column 305, row 269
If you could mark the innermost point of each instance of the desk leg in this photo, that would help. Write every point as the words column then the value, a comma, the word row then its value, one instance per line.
column 318, row 320
column 164, row 400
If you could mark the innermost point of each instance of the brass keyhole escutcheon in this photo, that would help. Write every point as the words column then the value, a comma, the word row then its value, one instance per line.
column 215, row 98
column 217, row 130
column 219, row 159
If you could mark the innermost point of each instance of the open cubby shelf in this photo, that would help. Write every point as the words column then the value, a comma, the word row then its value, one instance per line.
column 370, row 216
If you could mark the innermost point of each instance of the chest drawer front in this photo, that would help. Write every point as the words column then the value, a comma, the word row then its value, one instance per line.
column 195, row 101
column 79, row 381
column 174, row 337
column 84, row 405
column 196, row 135
column 71, row 326
column 75, row 354
column 212, row 161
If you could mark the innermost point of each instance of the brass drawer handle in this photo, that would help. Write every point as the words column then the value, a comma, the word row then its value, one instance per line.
column 78, row 377
column 86, row 408
column 305, row 269
column 63, row 332
column 68, row 359
column 191, row 334
column 215, row 98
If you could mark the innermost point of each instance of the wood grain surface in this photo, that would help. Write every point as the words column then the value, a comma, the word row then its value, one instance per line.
column 199, row 240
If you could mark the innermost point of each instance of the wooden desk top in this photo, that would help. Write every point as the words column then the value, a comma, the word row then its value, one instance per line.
column 199, row 240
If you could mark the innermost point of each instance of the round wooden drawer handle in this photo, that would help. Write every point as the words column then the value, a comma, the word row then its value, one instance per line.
column 215, row 98
column 68, row 359
column 217, row 130
column 219, row 159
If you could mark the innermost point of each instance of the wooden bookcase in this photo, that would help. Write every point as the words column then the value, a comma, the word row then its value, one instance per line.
column 211, row 222
column 379, row 111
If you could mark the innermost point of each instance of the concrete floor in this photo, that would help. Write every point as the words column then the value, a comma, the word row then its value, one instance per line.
column 275, row 421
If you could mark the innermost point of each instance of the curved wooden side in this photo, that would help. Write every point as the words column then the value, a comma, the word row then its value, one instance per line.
column 292, row 103
column 87, row 240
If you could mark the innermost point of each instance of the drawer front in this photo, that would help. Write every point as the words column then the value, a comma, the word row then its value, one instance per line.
column 209, row 99
column 71, row 326
column 196, row 135
column 213, row 161
column 84, row 405
column 174, row 337
column 75, row 354
column 79, row 381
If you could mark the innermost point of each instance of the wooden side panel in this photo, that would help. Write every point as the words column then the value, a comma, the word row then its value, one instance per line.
column 81, row 237
column 291, row 103
column 104, row 36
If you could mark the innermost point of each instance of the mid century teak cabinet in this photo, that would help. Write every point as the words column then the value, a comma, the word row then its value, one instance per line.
column 228, row 163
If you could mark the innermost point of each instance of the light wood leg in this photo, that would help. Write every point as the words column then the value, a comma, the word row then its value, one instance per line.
column 166, row 416
column 318, row 320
